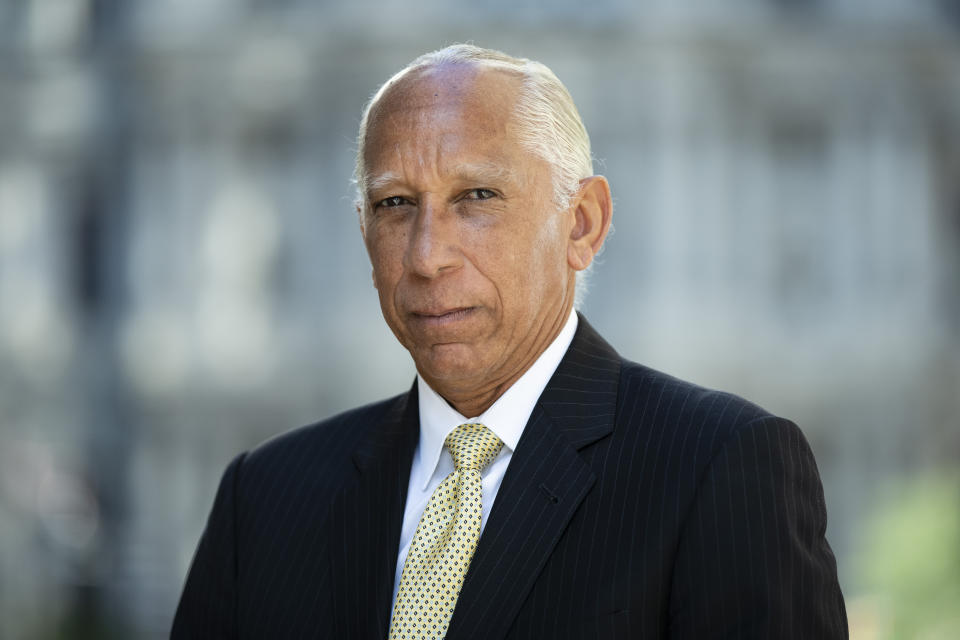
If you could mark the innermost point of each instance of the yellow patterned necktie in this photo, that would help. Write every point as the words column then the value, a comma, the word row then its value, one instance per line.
column 445, row 540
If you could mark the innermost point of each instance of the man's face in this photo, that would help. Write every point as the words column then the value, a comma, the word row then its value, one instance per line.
column 468, row 249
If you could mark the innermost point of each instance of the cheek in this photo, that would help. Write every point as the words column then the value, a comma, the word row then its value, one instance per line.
column 386, row 258
column 547, row 250
column 526, row 271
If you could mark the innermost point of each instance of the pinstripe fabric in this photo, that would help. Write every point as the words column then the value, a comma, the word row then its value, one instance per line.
column 635, row 505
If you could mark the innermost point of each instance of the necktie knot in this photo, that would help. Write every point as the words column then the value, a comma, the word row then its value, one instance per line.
column 473, row 446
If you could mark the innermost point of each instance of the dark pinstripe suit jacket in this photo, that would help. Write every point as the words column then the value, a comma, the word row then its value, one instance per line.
column 635, row 506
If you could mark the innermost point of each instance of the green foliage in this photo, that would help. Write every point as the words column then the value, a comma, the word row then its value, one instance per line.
column 911, row 558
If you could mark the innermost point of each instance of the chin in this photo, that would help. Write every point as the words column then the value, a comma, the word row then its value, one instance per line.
column 449, row 364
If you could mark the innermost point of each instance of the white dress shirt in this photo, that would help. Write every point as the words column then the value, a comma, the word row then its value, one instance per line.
column 507, row 418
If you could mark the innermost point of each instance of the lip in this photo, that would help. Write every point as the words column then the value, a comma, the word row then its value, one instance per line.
column 442, row 317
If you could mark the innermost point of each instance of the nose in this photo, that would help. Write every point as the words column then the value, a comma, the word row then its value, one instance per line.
column 433, row 244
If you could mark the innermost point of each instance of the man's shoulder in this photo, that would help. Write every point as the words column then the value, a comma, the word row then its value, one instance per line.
column 665, row 402
column 682, row 394
column 325, row 444
column 655, row 403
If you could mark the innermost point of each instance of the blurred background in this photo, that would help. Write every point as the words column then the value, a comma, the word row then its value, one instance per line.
column 181, row 274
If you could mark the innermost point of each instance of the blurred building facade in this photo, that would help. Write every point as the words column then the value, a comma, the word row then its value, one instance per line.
column 181, row 274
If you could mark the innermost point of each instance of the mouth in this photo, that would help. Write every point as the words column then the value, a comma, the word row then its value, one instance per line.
column 443, row 317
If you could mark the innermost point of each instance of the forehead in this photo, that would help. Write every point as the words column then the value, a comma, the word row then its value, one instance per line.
column 450, row 108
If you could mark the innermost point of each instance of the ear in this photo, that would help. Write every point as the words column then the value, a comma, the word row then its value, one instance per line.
column 592, row 210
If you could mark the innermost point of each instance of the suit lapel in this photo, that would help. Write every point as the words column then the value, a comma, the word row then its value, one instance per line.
column 370, row 510
column 544, row 485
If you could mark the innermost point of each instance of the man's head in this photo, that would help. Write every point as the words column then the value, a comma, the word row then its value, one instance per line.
column 477, row 209
column 546, row 118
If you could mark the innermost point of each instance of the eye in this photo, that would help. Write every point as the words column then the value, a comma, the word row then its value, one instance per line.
column 480, row 194
column 392, row 201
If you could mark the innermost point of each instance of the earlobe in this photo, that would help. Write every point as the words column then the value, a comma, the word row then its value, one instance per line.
column 592, row 209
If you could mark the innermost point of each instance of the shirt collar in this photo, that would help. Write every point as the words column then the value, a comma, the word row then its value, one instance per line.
column 507, row 417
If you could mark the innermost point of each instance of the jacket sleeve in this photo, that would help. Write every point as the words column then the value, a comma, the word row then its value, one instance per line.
column 753, row 561
column 208, row 604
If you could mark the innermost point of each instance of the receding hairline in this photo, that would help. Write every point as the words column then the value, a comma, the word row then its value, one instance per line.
column 492, row 60
column 543, row 109
column 541, row 99
column 405, row 77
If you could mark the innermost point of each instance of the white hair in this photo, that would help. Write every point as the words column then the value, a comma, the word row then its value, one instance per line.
column 548, row 123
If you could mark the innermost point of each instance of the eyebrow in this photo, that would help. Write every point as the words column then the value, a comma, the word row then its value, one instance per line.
column 382, row 180
column 489, row 172
column 482, row 172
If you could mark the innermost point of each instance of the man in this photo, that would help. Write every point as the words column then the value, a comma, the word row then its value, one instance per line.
column 532, row 484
